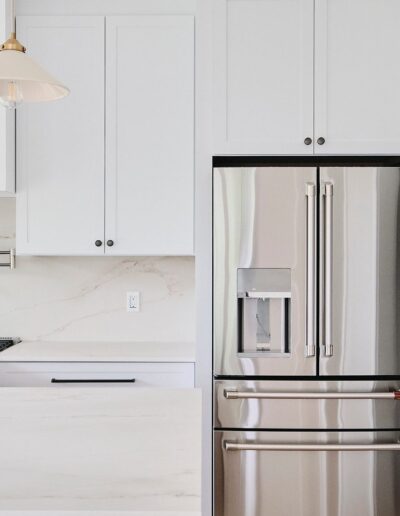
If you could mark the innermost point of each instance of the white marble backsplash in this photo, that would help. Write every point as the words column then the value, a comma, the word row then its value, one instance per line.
column 84, row 298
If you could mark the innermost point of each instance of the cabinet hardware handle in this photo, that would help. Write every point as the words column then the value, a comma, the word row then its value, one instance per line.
column 110, row 243
column 230, row 446
column 328, row 239
column 98, row 243
column 310, row 305
column 93, row 380
column 308, row 141
column 235, row 395
column 321, row 140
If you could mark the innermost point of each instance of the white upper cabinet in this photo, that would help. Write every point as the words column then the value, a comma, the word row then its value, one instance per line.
column 287, row 70
column 357, row 76
column 60, row 145
column 263, row 76
column 110, row 168
column 150, row 134
column 7, row 120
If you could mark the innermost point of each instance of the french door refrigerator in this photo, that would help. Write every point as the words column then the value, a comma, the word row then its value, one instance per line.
column 306, row 341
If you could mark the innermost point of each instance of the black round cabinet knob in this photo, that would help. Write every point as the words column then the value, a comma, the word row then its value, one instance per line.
column 321, row 140
column 98, row 243
column 110, row 243
column 308, row 141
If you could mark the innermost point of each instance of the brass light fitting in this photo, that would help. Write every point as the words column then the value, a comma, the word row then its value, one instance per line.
column 12, row 44
column 23, row 80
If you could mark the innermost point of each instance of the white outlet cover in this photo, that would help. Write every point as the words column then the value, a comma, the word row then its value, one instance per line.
column 133, row 301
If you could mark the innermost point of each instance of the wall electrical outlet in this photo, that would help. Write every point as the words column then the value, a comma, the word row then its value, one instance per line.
column 133, row 301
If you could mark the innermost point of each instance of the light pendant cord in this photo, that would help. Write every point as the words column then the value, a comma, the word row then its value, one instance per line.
column 12, row 43
column 13, row 17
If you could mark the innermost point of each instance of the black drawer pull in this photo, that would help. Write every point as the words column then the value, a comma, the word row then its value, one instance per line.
column 94, row 380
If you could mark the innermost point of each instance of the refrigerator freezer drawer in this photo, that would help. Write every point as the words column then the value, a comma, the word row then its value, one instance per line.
column 307, row 404
column 306, row 473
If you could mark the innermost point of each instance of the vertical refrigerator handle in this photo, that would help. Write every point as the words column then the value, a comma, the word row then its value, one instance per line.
column 328, row 221
column 311, row 270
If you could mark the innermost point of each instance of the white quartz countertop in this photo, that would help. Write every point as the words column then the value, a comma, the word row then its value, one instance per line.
column 100, row 451
column 57, row 351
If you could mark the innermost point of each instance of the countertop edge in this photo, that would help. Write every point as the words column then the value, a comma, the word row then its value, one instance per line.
column 99, row 352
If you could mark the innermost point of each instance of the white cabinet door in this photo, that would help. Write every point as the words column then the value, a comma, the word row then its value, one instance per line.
column 7, row 119
column 263, row 76
column 60, row 151
column 149, row 134
column 357, row 77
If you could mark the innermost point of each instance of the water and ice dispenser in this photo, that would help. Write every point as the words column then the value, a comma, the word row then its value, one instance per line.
column 263, row 297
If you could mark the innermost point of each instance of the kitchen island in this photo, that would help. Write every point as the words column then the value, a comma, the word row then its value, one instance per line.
column 100, row 450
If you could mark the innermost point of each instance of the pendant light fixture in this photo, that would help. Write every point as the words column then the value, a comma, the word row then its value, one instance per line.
column 21, row 78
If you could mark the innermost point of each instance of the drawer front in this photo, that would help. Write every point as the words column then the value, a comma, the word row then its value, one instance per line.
column 306, row 473
column 273, row 404
column 133, row 375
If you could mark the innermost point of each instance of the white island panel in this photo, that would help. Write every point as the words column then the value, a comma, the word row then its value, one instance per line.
column 100, row 450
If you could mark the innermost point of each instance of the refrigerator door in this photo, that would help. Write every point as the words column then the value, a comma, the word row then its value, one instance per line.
column 360, row 303
column 264, row 269
column 306, row 473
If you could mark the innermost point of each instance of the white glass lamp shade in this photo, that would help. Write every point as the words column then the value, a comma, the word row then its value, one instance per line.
column 23, row 80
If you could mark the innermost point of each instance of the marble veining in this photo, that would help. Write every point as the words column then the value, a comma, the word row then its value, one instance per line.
column 84, row 298
column 100, row 450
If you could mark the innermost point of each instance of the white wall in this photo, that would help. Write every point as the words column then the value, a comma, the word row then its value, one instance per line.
column 70, row 299
column 7, row 118
column 203, row 232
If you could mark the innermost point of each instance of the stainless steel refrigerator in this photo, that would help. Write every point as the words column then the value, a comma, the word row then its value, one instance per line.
column 306, row 341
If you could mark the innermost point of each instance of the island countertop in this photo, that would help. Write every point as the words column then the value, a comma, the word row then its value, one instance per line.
column 100, row 450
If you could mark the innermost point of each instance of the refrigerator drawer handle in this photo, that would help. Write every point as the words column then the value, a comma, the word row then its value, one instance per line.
column 230, row 446
column 311, row 268
column 328, row 238
column 235, row 395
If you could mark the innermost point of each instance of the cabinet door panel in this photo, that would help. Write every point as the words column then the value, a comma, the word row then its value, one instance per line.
column 263, row 76
column 60, row 145
column 357, row 81
column 150, row 135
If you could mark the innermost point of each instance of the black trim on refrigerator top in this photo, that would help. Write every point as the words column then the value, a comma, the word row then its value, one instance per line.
column 304, row 161
column 309, row 378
